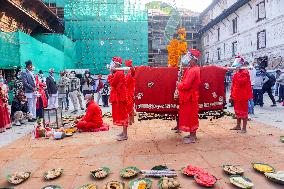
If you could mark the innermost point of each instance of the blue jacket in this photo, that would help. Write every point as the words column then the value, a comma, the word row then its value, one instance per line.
column 28, row 81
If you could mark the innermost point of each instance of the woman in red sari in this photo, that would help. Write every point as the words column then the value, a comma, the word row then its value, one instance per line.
column 188, row 97
column 41, row 99
column 130, row 87
column 241, row 93
column 5, row 122
column 118, row 97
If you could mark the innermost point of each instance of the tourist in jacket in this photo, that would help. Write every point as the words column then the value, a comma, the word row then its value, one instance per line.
column 29, row 83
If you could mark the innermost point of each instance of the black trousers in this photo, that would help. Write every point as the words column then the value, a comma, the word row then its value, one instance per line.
column 258, row 97
column 281, row 93
column 67, row 99
column 269, row 92
column 39, row 111
column 87, row 92
column 105, row 100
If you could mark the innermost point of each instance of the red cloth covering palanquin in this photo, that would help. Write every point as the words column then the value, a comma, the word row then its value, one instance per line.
column 155, row 87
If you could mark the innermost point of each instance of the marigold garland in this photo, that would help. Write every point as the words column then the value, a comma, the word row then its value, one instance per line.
column 176, row 48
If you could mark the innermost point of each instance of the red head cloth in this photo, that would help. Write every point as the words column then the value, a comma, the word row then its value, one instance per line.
column 128, row 63
column 117, row 59
column 195, row 53
column 239, row 61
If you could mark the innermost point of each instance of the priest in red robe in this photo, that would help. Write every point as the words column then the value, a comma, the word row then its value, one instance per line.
column 118, row 97
column 241, row 93
column 130, row 87
column 93, row 118
column 188, row 90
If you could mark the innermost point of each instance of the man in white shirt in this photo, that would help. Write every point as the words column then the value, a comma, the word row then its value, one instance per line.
column 29, row 84
column 52, row 90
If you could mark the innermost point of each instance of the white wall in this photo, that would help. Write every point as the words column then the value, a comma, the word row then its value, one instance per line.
column 246, row 37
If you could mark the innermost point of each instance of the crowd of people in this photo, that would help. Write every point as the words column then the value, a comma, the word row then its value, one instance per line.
column 33, row 92
column 262, row 82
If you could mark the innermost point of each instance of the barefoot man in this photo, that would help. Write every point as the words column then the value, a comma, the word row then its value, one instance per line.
column 241, row 93
column 188, row 97
column 118, row 97
column 130, row 87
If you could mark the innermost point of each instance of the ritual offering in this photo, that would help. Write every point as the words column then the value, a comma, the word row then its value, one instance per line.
column 159, row 173
column 233, row 170
column 100, row 173
column 68, row 134
column 205, row 179
column 53, row 174
column 114, row 185
column 18, row 177
column 263, row 167
column 88, row 186
column 276, row 177
column 168, row 183
column 282, row 139
column 70, row 130
column 129, row 172
column 241, row 181
column 52, row 187
column 191, row 170
column 141, row 183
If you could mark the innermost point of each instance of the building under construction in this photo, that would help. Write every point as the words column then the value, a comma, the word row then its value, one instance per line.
column 73, row 34
column 163, row 22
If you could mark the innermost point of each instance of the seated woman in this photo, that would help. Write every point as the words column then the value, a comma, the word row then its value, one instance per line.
column 92, row 121
column 19, row 109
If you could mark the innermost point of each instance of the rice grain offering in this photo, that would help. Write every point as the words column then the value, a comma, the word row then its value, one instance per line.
column 233, row 170
column 53, row 174
column 241, row 181
column 18, row 177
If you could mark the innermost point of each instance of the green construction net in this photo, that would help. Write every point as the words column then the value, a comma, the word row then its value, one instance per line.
column 50, row 51
column 96, row 31
column 9, row 50
column 102, row 29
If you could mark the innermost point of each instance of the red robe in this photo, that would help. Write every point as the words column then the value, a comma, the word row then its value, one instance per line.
column 241, row 92
column 41, row 91
column 5, row 121
column 188, row 100
column 118, row 98
column 130, row 87
column 93, row 118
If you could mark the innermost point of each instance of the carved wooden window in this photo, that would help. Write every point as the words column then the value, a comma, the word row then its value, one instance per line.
column 234, row 48
column 261, row 13
column 261, row 39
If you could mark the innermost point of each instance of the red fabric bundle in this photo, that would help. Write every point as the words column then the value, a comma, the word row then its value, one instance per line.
column 155, row 87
